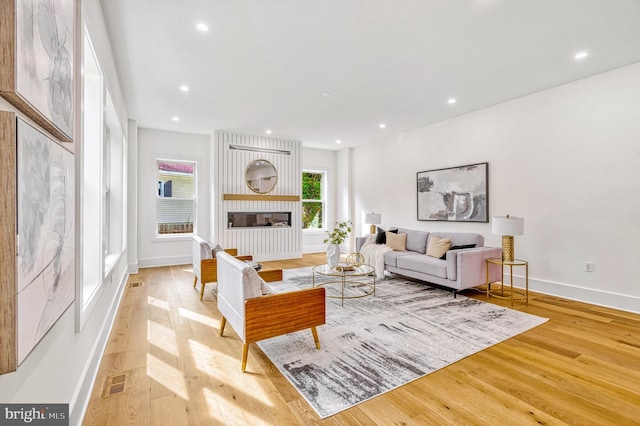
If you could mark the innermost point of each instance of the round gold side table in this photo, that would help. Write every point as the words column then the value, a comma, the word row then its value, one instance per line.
column 508, row 293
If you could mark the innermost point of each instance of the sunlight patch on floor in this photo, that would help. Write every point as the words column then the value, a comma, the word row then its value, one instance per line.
column 215, row 405
column 167, row 375
column 158, row 303
column 163, row 337
column 202, row 319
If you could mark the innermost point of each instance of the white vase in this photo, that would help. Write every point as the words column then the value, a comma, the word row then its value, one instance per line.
column 333, row 254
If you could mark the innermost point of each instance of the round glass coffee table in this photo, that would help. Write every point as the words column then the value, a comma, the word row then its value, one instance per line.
column 350, row 277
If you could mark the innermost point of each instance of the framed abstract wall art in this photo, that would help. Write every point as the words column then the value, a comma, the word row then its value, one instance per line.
column 46, row 236
column 456, row 194
column 36, row 70
column 8, row 362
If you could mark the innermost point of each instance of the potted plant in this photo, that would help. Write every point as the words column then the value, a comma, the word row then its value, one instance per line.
column 336, row 237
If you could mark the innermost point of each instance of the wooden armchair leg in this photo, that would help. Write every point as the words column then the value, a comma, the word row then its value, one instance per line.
column 315, row 337
column 223, row 322
column 195, row 281
column 245, row 353
column 201, row 290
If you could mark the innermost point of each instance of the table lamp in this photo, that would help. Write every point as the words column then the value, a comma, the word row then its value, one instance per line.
column 507, row 226
column 373, row 219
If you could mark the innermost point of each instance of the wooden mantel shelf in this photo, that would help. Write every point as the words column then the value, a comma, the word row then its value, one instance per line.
column 260, row 197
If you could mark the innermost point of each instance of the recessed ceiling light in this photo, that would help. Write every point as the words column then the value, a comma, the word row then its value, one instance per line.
column 268, row 131
column 338, row 141
column 452, row 101
column 382, row 125
column 326, row 94
column 202, row 27
column 184, row 88
column 175, row 118
column 581, row 55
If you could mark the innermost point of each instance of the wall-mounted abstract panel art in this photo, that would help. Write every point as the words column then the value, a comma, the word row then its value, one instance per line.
column 457, row 194
column 36, row 71
column 46, row 237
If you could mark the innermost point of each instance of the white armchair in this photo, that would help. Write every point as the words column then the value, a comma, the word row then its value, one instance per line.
column 256, row 317
column 205, row 265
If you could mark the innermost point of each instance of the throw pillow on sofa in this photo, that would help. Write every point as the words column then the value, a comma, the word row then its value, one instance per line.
column 466, row 246
column 397, row 242
column 438, row 246
column 381, row 237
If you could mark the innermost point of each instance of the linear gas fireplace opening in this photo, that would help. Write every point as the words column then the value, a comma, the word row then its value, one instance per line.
column 258, row 219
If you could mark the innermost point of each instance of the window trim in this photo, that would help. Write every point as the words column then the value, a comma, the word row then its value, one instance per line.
column 312, row 231
column 156, row 236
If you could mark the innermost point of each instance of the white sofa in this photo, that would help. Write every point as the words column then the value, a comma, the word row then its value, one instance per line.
column 459, row 270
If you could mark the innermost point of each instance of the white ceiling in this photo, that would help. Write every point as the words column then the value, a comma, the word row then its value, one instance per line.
column 264, row 64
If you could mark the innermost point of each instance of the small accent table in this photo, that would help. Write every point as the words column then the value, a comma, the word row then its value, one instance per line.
column 346, row 277
column 508, row 293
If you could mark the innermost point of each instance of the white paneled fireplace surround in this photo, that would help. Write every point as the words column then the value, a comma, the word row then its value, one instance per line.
column 266, row 226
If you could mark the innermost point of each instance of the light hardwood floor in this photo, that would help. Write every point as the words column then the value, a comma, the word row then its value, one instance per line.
column 582, row 367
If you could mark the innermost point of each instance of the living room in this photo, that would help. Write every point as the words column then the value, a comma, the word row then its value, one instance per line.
column 563, row 157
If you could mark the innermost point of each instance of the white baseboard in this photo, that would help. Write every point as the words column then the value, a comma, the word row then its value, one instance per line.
column 164, row 261
column 276, row 256
column 598, row 297
column 320, row 248
column 82, row 395
column 133, row 268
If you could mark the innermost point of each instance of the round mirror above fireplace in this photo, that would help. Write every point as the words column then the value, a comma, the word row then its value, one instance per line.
column 261, row 176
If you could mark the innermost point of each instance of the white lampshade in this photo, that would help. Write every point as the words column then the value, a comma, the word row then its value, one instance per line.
column 507, row 225
column 373, row 218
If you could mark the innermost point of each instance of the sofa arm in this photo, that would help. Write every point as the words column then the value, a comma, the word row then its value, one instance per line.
column 468, row 267
column 360, row 242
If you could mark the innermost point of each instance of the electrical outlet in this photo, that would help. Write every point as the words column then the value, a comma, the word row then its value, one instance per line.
column 588, row 266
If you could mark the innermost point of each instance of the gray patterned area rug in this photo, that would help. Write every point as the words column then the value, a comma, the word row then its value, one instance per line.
column 372, row 345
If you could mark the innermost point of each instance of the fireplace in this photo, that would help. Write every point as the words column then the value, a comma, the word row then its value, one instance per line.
column 236, row 220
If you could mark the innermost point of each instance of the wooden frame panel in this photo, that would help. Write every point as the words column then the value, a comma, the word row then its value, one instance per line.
column 8, row 293
column 9, row 68
column 278, row 314
column 259, row 197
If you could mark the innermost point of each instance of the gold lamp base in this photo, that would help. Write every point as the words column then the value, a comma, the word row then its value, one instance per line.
column 507, row 248
column 372, row 229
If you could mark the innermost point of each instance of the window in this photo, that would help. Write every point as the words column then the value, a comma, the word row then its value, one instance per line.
column 313, row 200
column 101, row 172
column 92, row 162
column 175, row 197
column 113, row 187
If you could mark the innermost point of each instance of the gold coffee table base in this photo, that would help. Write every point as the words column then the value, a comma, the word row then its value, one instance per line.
column 346, row 280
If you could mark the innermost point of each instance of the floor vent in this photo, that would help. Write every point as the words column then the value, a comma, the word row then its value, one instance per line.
column 115, row 384
column 135, row 284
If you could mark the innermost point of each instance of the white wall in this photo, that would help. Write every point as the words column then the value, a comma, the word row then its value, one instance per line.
column 154, row 144
column 62, row 367
column 325, row 161
column 132, row 198
column 566, row 159
column 345, row 196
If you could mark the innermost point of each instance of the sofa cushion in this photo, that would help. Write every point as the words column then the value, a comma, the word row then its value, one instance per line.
column 397, row 242
column 391, row 257
column 416, row 240
column 461, row 238
column 424, row 264
column 438, row 246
